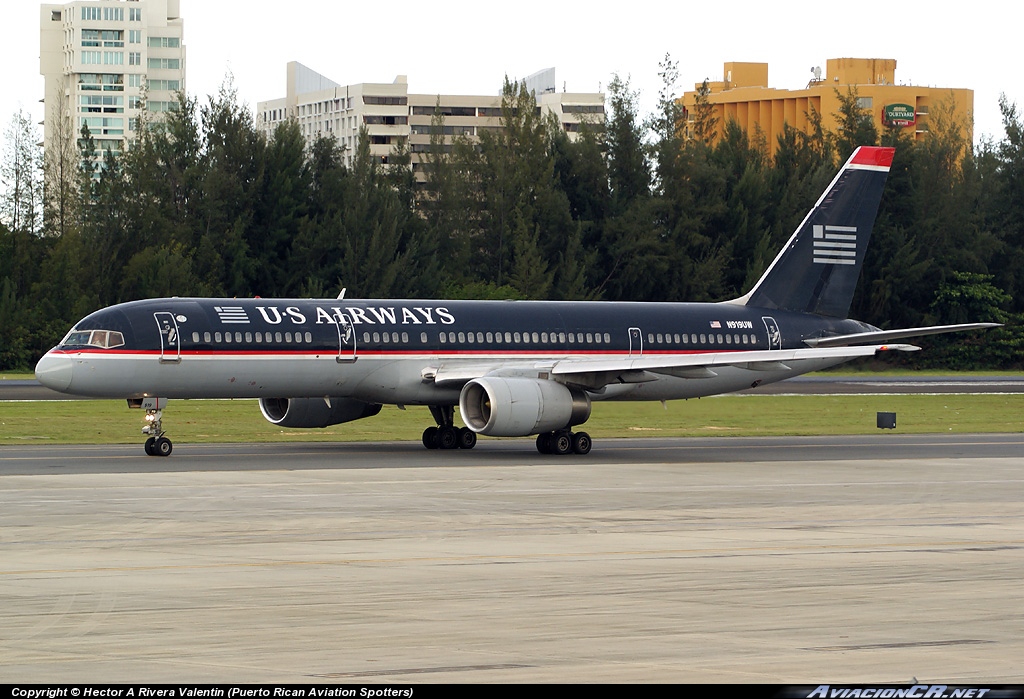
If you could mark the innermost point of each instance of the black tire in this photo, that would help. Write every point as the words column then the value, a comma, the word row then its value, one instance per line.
column 467, row 438
column 163, row 447
column 582, row 443
column 448, row 437
column 561, row 443
column 430, row 439
column 544, row 442
column 150, row 446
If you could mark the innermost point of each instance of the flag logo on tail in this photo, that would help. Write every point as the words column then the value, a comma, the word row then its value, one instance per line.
column 835, row 245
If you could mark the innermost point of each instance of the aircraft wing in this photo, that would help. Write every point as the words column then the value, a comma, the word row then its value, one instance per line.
column 637, row 369
column 887, row 335
column 597, row 372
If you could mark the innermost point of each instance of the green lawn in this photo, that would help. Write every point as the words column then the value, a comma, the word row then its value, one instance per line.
column 98, row 422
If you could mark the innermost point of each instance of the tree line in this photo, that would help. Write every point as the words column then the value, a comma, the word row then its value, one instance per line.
column 632, row 208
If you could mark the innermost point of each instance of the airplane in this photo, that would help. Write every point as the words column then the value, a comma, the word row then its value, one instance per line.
column 513, row 368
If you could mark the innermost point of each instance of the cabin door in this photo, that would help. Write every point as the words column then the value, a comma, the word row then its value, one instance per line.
column 170, row 342
column 774, row 334
column 346, row 339
column 636, row 342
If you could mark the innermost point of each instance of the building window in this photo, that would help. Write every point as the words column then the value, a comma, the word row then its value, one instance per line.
column 134, row 58
column 164, row 42
column 134, row 14
column 372, row 99
column 165, row 63
column 134, row 36
column 113, row 58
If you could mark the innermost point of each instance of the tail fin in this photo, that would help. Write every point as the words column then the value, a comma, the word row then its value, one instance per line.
column 817, row 270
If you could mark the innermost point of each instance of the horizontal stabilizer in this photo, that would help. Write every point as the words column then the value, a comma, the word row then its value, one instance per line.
column 887, row 335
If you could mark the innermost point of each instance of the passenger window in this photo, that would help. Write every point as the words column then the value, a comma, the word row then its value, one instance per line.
column 216, row 336
column 405, row 338
column 607, row 338
column 462, row 338
column 590, row 338
column 469, row 339
column 195, row 337
column 728, row 339
column 206, row 337
column 508, row 338
column 518, row 338
column 442, row 337
column 536, row 338
column 238, row 337
column 386, row 338
column 277, row 337
column 376, row 338
column 451, row 337
column 366, row 336
column 248, row 338
column 703, row 339
column 288, row 336
column 544, row 337
column 423, row 338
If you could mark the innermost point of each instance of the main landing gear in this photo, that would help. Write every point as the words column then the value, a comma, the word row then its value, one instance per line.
column 564, row 442
column 446, row 435
column 157, row 444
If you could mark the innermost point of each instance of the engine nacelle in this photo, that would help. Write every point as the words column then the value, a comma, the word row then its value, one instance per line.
column 314, row 412
column 516, row 407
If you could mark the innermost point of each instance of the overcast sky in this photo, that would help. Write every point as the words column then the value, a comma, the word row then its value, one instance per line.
column 457, row 47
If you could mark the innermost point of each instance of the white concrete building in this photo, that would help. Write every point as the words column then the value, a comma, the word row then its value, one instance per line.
column 391, row 114
column 102, row 58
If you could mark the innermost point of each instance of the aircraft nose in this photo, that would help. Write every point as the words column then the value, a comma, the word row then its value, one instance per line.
column 54, row 371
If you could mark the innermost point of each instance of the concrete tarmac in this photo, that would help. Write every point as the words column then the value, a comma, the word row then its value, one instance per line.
column 854, row 559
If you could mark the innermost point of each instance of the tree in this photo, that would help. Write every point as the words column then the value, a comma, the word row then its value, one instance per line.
column 855, row 125
column 61, row 198
column 21, row 176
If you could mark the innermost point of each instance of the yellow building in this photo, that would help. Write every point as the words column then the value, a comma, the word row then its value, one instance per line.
column 743, row 96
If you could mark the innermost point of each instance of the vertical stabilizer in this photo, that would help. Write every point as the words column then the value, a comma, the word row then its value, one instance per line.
column 817, row 270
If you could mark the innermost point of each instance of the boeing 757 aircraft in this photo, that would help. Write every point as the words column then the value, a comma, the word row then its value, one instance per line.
column 514, row 368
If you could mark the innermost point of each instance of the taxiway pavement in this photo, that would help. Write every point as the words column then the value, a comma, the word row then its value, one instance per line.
column 851, row 559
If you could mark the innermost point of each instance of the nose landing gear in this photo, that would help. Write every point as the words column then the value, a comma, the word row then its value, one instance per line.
column 157, row 444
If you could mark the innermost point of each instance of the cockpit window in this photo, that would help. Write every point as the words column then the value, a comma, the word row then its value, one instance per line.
column 93, row 338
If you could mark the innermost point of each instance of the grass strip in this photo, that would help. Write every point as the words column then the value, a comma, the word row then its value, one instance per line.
column 205, row 421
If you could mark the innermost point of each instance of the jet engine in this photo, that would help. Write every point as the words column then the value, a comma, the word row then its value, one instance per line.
column 516, row 407
column 315, row 412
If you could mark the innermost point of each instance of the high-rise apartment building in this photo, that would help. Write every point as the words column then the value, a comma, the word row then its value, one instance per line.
column 105, row 61
column 393, row 115
column 743, row 96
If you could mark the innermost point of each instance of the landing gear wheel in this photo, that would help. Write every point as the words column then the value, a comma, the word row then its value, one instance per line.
column 581, row 443
column 544, row 442
column 448, row 437
column 150, row 446
column 467, row 438
column 430, row 438
column 163, row 446
column 561, row 442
